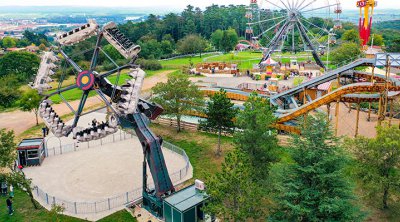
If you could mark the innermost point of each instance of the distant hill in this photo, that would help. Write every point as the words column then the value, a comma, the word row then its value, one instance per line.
column 395, row 25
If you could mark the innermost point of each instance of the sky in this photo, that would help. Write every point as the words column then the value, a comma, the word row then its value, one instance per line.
column 347, row 4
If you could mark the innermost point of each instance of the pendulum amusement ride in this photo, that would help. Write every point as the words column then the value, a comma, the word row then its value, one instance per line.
column 125, row 108
column 365, row 23
column 285, row 25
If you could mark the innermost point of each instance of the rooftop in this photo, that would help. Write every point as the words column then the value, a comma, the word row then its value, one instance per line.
column 186, row 198
column 30, row 143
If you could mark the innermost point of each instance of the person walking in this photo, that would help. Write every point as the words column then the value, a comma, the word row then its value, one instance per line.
column 9, row 206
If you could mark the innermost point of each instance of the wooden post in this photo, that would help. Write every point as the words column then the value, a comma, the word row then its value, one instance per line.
column 369, row 112
column 380, row 110
column 373, row 76
column 329, row 111
column 337, row 116
column 358, row 119
column 391, row 112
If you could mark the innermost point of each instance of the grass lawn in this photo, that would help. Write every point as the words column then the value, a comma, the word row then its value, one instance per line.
column 200, row 147
column 120, row 216
column 76, row 94
column 25, row 212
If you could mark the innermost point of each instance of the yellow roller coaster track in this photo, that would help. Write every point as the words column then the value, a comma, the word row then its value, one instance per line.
column 359, row 92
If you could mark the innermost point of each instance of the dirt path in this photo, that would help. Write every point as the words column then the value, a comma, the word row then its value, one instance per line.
column 20, row 121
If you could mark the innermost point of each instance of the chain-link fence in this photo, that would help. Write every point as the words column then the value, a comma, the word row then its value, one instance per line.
column 123, row 199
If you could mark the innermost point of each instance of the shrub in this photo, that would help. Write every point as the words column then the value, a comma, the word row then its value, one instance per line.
column 149, row 64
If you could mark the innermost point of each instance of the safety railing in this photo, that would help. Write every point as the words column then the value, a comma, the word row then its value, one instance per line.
column 118, row 201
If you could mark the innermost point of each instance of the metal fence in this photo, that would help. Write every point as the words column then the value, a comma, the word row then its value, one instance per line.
column 76, row 146
column 110, row 203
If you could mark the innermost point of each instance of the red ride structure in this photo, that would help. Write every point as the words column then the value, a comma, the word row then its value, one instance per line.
column 366, row 15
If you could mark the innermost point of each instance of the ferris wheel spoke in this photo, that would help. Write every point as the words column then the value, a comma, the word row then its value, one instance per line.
column 319, row 8
column 69, row 60
column 93, row 63
column 118, row 69
column 266, row 20
column 274, row 26
column 310, row 3
column 323, row 30
column 277, row 5
column 306, row 31
column 84, row 97
column 59, row 91
column 105, row 100
column 297, row 4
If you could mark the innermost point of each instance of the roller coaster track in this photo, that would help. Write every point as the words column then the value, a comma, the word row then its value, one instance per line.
column 320, row 80
column 359, row 92
column 346, row 93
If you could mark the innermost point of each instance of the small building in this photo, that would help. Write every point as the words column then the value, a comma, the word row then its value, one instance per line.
column 185, row 205
column 31, row 152
column 371, row 52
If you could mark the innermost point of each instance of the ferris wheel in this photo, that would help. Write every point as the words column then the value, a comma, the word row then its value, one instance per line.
column 294, row 25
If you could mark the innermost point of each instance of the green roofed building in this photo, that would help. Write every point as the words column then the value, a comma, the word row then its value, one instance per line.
column 185, row 205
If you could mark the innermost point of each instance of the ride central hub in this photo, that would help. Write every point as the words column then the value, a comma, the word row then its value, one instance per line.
column 85, row 80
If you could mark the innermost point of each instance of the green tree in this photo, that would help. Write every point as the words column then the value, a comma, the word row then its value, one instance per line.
column 378, row 40
column 112, row 52
column 394, row 46
column 42, row 47
column 7, row 149
column 229, row 40
column 352, row 36
column 19, row 181
column 216, row 38
column 9, row 42
column 378, row 162
column 9, row 92
column 23, row 65
column 256, row 137
column 220, row 113
column 7, row 157
column 167, row 47
column 178, row 96
column 234, row 196
column 312, row 185
column 29, row 102
column 345, row 52
column 192, row 44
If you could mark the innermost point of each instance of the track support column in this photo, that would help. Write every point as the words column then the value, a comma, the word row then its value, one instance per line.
column 358, row 119
column 391, row 112
column 328, row 106
column 337, row 116
column 369, row 112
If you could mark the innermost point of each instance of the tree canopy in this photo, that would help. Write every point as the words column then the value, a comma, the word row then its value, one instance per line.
column 29, row 102
column 256, row 137
column 378, row 162
column 345, row 53
column 23, row 65
column 312, row 186
column 220, row 113
column 178, row 96
column 234, row 195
